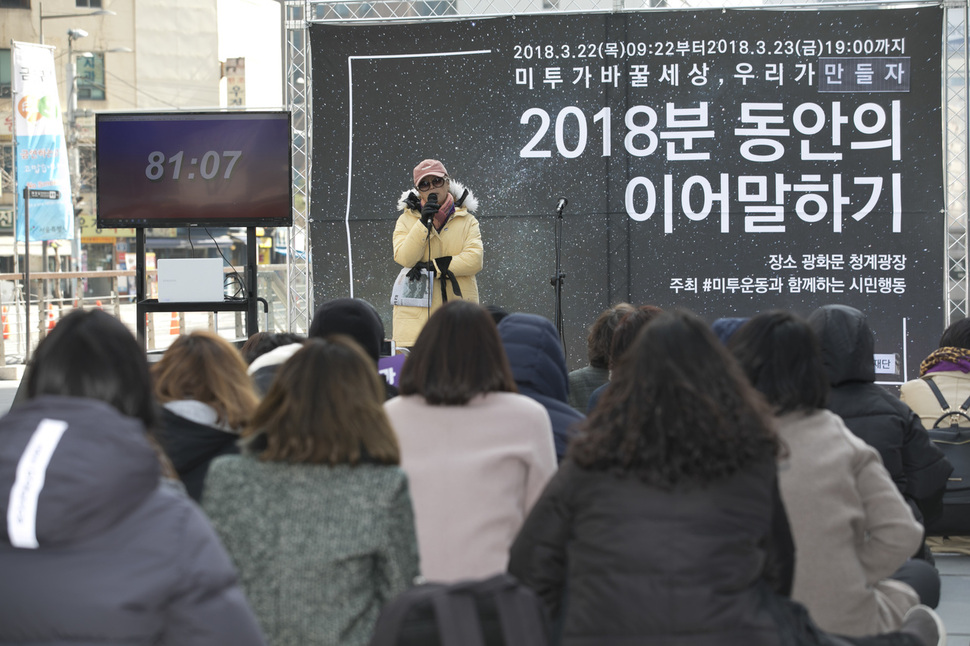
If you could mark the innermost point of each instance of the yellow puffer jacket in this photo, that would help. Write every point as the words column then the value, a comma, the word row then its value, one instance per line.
column 460, row 238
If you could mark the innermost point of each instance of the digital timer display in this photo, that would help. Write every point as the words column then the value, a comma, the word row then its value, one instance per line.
column 178, row 169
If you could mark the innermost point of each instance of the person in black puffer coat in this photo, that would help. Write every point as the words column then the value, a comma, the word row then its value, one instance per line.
column 539, row 367
column 917, row 466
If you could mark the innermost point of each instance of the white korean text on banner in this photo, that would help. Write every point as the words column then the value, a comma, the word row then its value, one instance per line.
column 724, row 161
column 41, row 152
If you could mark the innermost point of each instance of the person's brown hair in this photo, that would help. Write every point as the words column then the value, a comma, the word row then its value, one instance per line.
column 628, row 328
column 326, row 406
column 679, row 411
column 457, row 356
column 600, row 337
column 204, row 367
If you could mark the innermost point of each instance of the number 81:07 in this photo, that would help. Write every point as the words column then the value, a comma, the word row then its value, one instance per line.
column 208, row 168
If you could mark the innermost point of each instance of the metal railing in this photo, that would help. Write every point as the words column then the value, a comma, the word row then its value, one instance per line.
column 53, row 295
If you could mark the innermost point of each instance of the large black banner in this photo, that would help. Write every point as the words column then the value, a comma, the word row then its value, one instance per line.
column 726, row 161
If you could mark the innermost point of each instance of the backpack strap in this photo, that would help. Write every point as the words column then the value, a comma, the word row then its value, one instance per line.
column 391, row 619
column 944, row 404
column 947, row 412
column 521, row 617
column 457, row 616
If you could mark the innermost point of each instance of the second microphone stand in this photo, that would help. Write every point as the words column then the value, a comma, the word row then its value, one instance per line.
column 557, row 280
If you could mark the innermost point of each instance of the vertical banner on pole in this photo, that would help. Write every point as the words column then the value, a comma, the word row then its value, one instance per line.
column 40, row 148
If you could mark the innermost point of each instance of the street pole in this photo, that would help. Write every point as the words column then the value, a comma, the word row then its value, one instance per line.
column 74, row 161
column 26, row 273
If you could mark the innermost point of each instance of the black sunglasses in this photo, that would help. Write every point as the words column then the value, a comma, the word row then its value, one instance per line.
column 434, row 182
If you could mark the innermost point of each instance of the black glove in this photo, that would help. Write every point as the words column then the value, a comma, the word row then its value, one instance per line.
column 443, row 263
column 428, row 212
column 413, row 202
column 415, row 273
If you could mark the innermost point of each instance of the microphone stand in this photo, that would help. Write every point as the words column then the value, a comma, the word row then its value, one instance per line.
column 430, row 264
column 430, row 278
column 557, row 280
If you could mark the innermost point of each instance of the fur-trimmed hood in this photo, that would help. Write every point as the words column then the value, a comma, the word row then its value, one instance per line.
column 456, row 188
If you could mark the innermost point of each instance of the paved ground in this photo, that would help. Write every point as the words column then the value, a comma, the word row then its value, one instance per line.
column 7, row 390
column 954, row 605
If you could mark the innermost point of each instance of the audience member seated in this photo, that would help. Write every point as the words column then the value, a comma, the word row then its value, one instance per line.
column 316, row 513
column 206, row 399
column 260, row 343
column 538, row 366
column 497, row 312
column 623, row 337
column 664, row 524
column 359, row 320
column 98, row 547
column 351, row 316
column 851, row 527
column 583, row 381
column 477, row 454
column 948, row 367
column 725, row 327
column 880, row 419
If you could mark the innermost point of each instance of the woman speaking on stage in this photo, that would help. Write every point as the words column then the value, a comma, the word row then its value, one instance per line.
column 435, row 234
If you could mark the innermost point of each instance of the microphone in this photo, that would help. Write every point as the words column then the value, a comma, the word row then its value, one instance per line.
column 562, row 204
column 433, row 199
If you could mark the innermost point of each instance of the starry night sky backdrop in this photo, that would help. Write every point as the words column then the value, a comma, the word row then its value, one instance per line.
column 394, row 104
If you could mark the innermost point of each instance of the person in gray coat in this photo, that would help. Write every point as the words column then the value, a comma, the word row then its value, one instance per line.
column 98, row 547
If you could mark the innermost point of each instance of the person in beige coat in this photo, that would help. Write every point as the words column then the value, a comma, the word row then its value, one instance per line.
column 477, row 454
column 949, row 368
column 440, row 234
column 853, row 531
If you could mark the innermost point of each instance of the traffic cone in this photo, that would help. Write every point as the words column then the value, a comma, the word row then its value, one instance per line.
column 50, row 317
column 6, row 324
column 173, row 329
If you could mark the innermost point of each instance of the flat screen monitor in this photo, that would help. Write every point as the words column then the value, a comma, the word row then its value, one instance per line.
column 184, row 169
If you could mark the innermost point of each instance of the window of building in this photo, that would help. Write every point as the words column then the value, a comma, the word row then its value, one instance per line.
column 88, row 3
column 5, row 74
column 90, row 77
column 17, row 4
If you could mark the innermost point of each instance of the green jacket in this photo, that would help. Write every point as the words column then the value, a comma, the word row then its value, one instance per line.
column 319, row 549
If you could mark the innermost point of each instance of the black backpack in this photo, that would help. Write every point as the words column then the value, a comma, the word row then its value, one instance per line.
column 955, row 443
column 498, row 611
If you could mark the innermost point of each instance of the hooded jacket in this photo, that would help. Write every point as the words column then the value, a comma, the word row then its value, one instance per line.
column 918, row 468
column 96, row 548
column 459, row 239
column 539, row 366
